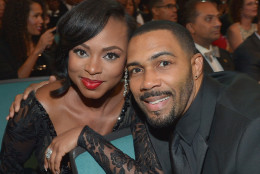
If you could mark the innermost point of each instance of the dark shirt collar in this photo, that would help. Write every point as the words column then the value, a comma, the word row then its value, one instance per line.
column 189, row 123
column 199, row 116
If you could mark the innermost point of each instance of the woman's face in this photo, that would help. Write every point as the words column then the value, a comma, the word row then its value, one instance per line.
column 249, row 8
column 35, row 21
column 97, row 65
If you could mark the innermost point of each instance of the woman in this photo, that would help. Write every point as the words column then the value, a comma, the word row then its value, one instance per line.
column 242, row 13
column 23, row 47
column 92, row 56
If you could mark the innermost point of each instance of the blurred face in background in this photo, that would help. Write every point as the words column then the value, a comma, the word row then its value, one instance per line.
column 249, row 8
column 35, row 20
column 206, row 26
column 53, row 4
column 130, row 7
column 167, row 10
column 123, row 2
column 2, row 8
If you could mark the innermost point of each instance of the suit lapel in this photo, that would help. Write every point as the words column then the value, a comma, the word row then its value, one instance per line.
column 209, row 99
column 256, row 41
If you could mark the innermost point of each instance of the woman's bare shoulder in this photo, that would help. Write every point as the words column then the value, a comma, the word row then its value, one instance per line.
column 234, row 27
column 43, row 94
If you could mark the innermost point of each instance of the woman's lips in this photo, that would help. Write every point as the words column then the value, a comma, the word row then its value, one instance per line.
column 91, row 84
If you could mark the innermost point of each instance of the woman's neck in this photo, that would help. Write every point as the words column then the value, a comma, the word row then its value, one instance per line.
column 246, row 23
column 111, row 102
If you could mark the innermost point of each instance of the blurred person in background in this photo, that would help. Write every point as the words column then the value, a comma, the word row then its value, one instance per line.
column 123, row 2
column 70, row 3
column 56, row 9
column 2, row 8
column 242, row 13
column 24, row 46
column 247, row 54
column 202, row 21
column 164, row 10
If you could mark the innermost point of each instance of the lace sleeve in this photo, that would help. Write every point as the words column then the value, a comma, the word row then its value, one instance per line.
column 18, row 141
column 113, row 160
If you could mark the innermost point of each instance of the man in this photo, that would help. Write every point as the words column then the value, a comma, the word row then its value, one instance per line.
column 213, row 121
column 247, row 55
column 201, row 18
column 163, row 10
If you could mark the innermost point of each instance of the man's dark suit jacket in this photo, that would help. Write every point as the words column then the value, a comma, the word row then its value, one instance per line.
column 247, row 57
column 225, row 60
column 223, row 136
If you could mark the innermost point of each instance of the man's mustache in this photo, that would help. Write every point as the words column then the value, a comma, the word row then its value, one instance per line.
column 155, row 93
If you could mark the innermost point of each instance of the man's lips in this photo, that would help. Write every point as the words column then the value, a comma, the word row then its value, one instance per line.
column 91, row 84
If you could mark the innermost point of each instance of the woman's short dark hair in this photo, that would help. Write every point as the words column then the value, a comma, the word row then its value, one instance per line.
column 80, row 24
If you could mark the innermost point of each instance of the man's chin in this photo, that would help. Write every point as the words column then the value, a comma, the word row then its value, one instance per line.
column 158, row 121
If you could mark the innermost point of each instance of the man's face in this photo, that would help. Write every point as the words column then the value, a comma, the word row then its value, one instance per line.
column 206, row 26
column 161, row 76
column 167, row 10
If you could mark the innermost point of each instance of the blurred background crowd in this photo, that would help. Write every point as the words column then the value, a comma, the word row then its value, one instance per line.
column 225, row 32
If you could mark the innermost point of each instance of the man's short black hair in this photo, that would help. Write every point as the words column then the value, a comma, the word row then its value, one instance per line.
column 182, row 34
column 190, row 11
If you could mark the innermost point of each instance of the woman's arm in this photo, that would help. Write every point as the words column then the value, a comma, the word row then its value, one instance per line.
column 19, row 140
column 234, row 37
column 108, row 156
column 113, row 160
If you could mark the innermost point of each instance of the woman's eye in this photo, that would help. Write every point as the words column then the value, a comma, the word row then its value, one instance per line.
column 111, row 56
column 164, row 63
column 80, row 52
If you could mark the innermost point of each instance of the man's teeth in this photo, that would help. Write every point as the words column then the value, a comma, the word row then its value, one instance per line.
column 158, row 101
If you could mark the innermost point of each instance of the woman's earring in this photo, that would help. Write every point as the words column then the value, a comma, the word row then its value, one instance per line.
column 126, row 83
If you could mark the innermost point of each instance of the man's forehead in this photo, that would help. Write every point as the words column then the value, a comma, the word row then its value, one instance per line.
column 152, row 43
column 206, row 8
column 155, row 36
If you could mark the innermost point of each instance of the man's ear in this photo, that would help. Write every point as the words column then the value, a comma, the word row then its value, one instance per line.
column 189, row 27
column 197, row 65
column 154, row 11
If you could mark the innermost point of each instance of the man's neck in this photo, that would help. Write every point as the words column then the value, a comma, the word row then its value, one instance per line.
column 199, row 46
column 202, row 43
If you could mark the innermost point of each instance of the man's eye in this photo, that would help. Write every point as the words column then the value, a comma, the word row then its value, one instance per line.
column 111, row 56
column 80, row 52
column 208, row 19
column 135, row 70
column 164, row 63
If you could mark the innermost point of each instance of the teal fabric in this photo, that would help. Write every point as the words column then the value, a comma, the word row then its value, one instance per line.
column 86, row 164
column 8, row 90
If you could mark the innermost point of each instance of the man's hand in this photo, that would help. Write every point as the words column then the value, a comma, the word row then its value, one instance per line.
column 15, row 106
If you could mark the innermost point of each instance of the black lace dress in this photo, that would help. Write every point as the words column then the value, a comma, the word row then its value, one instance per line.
column 30, row 132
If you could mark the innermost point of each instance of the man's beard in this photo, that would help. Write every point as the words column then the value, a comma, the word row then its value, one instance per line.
column 167, row 120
